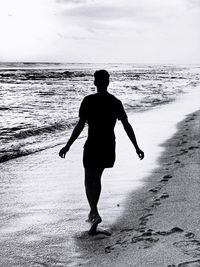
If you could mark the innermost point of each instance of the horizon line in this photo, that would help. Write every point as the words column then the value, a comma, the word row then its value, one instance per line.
column 81, row 62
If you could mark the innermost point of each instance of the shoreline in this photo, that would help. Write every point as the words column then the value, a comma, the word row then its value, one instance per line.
column 160, row 220
column 44, row 207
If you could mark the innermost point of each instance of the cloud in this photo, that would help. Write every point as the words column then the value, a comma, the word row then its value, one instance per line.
column 101, row 30
column 131, row 30
column 96, row 12
column 110, row 16
column 70, row 1
column 194, row 3
column 99, row 11
column 105, row 11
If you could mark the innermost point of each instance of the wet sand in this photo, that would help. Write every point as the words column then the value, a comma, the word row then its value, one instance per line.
column 160, row 224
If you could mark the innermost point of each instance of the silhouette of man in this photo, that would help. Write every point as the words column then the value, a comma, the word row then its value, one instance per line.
column 100, row 111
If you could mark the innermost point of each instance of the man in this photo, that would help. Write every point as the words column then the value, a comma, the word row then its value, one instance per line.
column 100, row 111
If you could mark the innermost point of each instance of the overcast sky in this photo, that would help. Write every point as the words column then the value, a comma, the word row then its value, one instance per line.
column 136, row 31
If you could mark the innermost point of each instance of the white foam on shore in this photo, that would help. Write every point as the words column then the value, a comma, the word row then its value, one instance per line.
column 43, row 195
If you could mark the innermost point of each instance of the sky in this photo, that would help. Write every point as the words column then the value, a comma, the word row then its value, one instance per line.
column 129, row 31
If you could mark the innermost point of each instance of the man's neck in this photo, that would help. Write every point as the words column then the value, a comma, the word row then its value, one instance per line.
column 102, row 90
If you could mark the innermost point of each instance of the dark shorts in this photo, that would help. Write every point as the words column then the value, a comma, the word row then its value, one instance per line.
column 99, row 155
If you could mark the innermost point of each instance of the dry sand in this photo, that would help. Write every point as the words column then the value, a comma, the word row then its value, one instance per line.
column 160, row 225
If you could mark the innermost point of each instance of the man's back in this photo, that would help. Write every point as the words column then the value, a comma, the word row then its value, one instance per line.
column 101, row 110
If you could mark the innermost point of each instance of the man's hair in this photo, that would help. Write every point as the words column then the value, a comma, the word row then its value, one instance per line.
column 101, row 78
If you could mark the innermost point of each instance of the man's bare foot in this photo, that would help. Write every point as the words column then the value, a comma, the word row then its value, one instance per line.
column 91, row 216
column 95, row 223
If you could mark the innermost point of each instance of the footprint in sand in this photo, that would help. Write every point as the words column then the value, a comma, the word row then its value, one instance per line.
column 154, row 190
column 146, row 238
column 172, row 231
column 166, row 178
column 108, row 249
column 194, row 263
column 189, row 247
column 149, row 237
column 126, row 230
column 142, row 229
column 164, row 195
column 100, row 234
column 189, row 235
column 193, row 147
column 191, row 119
column 156, row 202
column 144, row 219
column 183, row 150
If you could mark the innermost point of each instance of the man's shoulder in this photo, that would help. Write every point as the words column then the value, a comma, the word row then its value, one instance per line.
column 115, row 98
column 88, row 97
column 97, row 97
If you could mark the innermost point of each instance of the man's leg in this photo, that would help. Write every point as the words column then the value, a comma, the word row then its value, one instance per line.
column 93, row 189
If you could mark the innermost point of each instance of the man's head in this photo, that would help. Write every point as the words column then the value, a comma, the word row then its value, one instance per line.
column 101, row 80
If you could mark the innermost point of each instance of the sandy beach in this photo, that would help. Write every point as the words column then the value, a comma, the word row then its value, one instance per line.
column 89, row 84
column 161, row 221
column 150, row 207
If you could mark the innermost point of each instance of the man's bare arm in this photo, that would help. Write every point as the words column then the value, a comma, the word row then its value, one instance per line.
column 75, row 134
column 129, row 131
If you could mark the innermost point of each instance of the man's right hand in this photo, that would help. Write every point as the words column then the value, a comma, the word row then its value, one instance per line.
column 140, row 153
column 63, row 152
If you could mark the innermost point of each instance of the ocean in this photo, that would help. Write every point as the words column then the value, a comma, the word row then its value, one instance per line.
column 39, row 102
